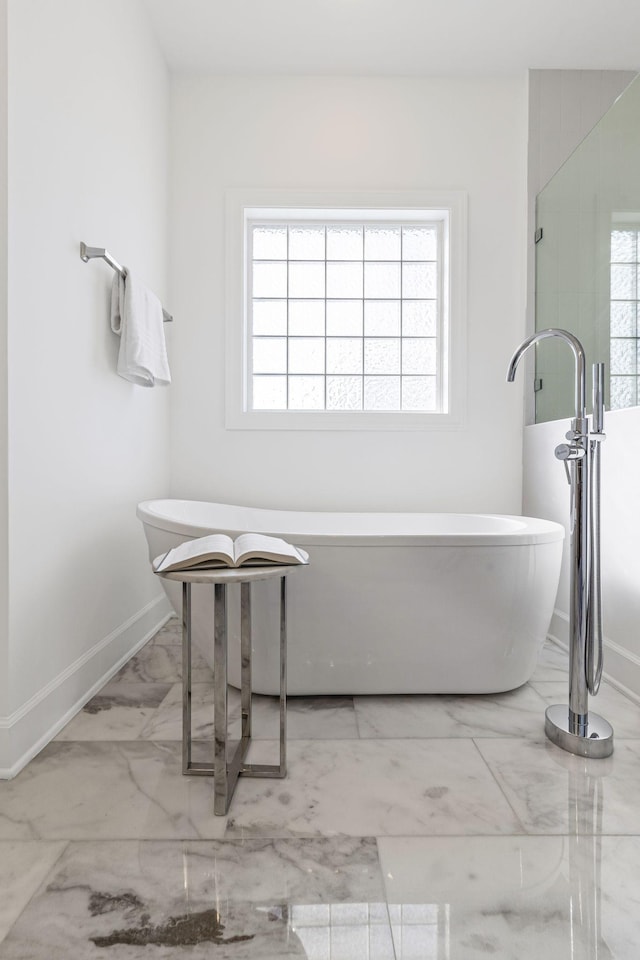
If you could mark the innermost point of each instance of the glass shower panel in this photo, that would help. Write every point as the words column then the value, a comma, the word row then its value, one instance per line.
column 588, row 223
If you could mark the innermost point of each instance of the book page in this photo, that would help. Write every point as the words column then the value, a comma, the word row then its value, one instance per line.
column 216, row 546
column 258, row 545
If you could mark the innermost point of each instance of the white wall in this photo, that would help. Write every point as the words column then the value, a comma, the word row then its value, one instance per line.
column 88, row 113
column 349, row 133
column 4, row 580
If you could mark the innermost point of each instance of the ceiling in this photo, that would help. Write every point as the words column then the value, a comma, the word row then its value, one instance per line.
column 396, row 37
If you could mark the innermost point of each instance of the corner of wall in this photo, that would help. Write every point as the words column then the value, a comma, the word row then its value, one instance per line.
column 4, row 300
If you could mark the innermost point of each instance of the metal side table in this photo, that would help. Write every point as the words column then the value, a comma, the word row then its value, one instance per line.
column 226, row 769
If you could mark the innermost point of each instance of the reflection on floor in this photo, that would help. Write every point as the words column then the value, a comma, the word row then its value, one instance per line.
column 408, row 828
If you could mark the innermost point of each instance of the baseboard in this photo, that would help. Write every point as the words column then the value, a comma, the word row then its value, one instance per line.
column 33, row 725
column 618, row 661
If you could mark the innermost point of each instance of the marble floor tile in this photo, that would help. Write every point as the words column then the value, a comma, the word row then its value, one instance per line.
column 107, row 790
column 162, row 663
column 553, row 663
column 325, row 718
column 621, row 712
column 374, row 788
column 119, row 712
column 170, row 633
column 308, row 718
column 166, row 722
column 514, row 898
column 23, row 867
column 555, row 792
column 518, row 713
column 251, row 900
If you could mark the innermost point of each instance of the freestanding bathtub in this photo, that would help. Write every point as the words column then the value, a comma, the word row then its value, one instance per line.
column 390, row 603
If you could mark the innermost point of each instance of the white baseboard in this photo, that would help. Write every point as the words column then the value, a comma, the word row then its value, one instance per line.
column 618, row 661
column 33, row 725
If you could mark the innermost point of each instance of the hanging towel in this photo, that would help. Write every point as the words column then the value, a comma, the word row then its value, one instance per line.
column 136, row 316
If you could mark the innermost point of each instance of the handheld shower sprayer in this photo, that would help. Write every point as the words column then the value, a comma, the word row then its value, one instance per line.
column 572, row 727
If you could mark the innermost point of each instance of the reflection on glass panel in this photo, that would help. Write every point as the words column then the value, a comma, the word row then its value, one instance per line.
column 382, row 393
column 382, row 280
column 419, row 280
column 419, row 318
column 306, row 354
column 382, row 243
column 269, row 280
column 306, row 243
column 269, row 243
column 344, row 318
column 418, row 393
column 344, row 355
column 382, row 355
column 269, row 393
column 344, row 280
column 419, row 355
column 269, row 355
column 419, row 243
column 587, row 261
column 306, row 280
column 339, row 931
column 344, row 393
column 306, row 393
column 269, row 317
column 306, row 317
column 382, row 318
column 344, row 243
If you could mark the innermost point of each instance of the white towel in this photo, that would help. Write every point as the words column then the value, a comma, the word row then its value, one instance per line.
column 136, row 316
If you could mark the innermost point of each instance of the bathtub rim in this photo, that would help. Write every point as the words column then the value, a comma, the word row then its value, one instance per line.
column 526, row 530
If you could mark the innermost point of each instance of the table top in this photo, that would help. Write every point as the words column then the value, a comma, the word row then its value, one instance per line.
column 231, row 574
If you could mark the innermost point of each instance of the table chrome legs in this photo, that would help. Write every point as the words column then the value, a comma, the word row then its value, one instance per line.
column 227, row 768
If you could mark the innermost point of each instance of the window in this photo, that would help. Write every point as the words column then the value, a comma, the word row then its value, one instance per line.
column 347, row 318
column 624, row 343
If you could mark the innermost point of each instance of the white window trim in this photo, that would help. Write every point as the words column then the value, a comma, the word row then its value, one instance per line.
column 240, row 203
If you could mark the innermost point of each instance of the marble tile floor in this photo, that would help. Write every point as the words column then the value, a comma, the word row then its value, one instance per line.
column 408, row 828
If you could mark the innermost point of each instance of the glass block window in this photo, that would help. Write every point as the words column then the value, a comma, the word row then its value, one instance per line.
column 345, row 315
column 624, row 346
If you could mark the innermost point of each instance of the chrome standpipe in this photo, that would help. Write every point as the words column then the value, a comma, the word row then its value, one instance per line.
column 571, row 726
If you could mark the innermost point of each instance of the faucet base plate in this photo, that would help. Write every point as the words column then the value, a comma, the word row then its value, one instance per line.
column 598, row 742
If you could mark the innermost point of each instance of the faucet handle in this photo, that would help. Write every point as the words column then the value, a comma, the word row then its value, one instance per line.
column 569, row 451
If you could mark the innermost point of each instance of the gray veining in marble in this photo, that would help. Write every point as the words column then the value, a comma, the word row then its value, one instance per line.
column 23, row 867
column 252, row 900
column 326, row 718
column 107, row 790
column 516, row 713
column 553, row 664
column 621, row 712
column 119, row 712
column 162, row 663
column 374, row 788
column 103, row 841
column 170, row 633
column 555, row 792
column 513, row 898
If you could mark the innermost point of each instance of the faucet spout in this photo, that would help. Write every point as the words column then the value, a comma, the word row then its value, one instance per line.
column 579, row 356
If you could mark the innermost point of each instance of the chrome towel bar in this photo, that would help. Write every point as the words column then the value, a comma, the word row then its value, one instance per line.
column 93, row 253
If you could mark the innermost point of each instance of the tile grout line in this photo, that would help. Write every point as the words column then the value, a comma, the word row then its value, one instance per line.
column 499, row 785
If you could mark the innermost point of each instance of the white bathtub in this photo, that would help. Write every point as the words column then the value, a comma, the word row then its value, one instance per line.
column 391, row 602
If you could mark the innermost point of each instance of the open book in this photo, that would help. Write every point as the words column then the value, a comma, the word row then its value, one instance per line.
column 219, row 550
